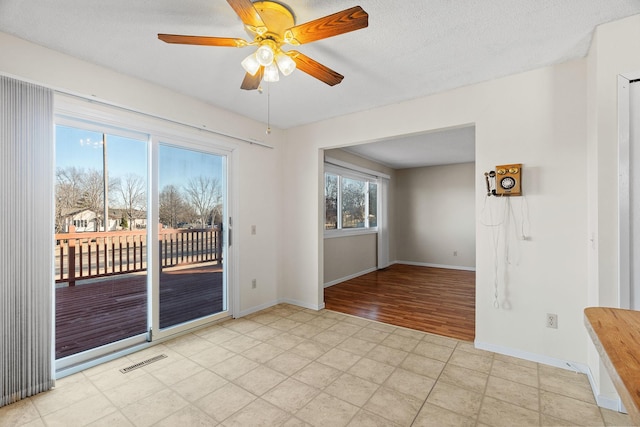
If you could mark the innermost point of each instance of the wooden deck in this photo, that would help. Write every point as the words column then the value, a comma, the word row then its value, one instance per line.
column 97, row 313
column 435, row 300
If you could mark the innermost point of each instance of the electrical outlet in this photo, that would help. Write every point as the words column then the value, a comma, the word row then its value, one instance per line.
column 253, row 229
column 552, row 320
column 455, row 253
column 254, row 284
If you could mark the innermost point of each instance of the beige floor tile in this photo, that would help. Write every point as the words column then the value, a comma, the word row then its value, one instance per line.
column 549, row 421
column 258, row 413
column 384, row 327
column 358, row 321
column 329, row 338
column 234, row 367
column 470, row 348
column 515, row 361
column 394, row 406
column 263, row 352
column 265, row 318
column 177, row 371
column 423, row 365
column 217, row 334
column 464, row 377
column 134, row 390
column 188, row 345
column 409, row 333
column 352, row 389
column 399, row 342
column 19, row 413
column 67, row 391
column 285, row 341
column 306, row 331
column 498, row 413
column 433, row 351
column 302, row 316
column 290, row 395
column 260, row 380
column 356, row 346
column 345, row 328
column 225, row 401
column 288, row 363
column 407, row 382
column 372, row 370
column 106, row 380
column 199, row 385
column 111, row 420
column 284, row 324
column 471, row 361
column 295, row 422
column 187, row 416
column 81, row 413
column 212, row 356
column 154, row 407
column 324, row 410
column 372, row 335
column 440, row 340
column 323, row 322
column 435, row 416
column 339, row 359
column 514, row 393
column 317, row 375
column 515, row 373
column 241, row 325
column 368, row 419
column 567, row 383
column 310, row 349
column 263, row 333
column 573, row 410
column 615, row 418
column 240, row 344
column 456, row 399
column 387, row 355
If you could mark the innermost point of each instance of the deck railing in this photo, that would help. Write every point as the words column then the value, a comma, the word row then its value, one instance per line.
column 87, row 255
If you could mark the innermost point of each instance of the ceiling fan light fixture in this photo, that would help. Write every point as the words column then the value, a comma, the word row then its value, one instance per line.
column 265, row 55
column 271, row 73
column 251, row 64
column 285, row 63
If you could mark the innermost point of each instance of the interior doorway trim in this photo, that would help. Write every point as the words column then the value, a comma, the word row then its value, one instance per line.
column 624, row 188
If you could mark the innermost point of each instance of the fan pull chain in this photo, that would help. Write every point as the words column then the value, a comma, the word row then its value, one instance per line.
column 268, row 108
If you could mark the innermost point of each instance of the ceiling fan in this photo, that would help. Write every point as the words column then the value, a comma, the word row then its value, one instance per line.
column 272, row 25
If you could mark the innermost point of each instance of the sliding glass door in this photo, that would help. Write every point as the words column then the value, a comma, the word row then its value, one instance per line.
column 191, row 210
column 139, row 246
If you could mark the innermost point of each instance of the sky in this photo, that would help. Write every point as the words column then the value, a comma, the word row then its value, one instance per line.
column 83, row 149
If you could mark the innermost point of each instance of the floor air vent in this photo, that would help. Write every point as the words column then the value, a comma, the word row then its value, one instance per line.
column 143, row 363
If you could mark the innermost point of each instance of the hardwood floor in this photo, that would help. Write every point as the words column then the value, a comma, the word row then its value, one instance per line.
column 435, row 300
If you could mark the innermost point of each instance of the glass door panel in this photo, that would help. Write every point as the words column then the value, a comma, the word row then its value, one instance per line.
column 100, row 241
column 191, row 211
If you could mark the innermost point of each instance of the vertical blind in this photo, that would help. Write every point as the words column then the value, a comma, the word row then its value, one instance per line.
column 26, row 172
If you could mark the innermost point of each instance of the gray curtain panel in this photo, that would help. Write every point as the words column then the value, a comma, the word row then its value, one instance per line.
column 26, row 232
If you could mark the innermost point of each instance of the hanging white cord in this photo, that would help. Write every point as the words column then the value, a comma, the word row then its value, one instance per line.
column 495, row 237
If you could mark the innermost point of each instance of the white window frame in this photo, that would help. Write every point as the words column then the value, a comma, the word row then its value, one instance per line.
column 347, row 170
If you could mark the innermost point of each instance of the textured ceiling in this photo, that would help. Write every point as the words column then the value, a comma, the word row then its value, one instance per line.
column 412, row 48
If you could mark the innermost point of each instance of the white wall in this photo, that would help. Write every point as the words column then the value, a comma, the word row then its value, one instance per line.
column 536, row 118
column 257, row 176
column 435, row 215
column 614, row 51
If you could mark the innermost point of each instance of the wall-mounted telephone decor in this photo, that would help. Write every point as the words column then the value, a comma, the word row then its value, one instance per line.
column 506, row 180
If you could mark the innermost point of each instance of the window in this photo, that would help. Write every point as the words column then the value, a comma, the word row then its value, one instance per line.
column 351, row 200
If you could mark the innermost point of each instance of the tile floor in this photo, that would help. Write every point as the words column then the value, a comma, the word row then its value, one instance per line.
column 287, row 366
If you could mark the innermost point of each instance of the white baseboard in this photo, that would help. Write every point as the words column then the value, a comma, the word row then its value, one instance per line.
column 301, row 304
column 428, row 264
column 349, row 277
column 256, row 308
column 602, row 401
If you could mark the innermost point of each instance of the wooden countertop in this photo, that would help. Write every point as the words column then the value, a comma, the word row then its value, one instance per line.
column 616, row 334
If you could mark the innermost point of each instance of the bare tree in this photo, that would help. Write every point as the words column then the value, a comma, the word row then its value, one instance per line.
column 68, row 193
column 204, row 194
column 132, row 195
column 172, row 207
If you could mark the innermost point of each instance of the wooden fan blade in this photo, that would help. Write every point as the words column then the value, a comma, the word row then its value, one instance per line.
column 252, row 82
column 329, row 26
column 202, row 40
column 247, row 13
column 315, row 69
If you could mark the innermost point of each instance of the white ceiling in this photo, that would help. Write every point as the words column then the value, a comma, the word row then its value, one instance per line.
column 412, row 48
